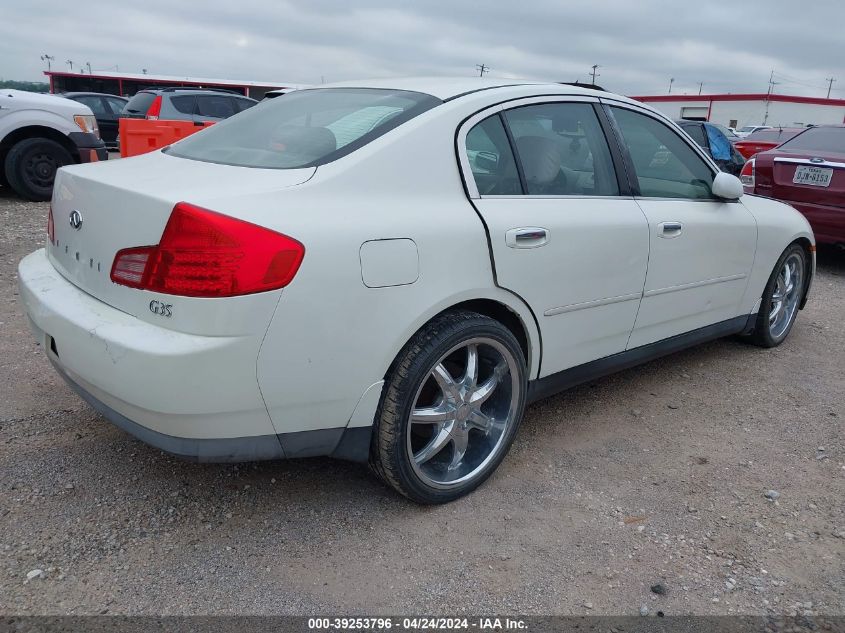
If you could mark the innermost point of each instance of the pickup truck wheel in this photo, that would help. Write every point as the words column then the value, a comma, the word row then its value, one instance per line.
column 31, row 167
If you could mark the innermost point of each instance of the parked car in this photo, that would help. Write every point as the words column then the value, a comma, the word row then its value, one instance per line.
column 186, row 104
column 269, row 290
column 272, row 94
column 106, row 109
column 764, row 140
column 715, row 142
column 729, row 132
column 750, row 129
column 808, row 172
column 40, row 133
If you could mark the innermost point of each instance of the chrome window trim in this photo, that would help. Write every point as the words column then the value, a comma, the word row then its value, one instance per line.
column 552, row 197
column 468, row 124
column 809, row 162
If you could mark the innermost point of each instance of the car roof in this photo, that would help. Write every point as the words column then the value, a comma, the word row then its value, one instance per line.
column 194, row 91
column 447, row 88
column 71, row 95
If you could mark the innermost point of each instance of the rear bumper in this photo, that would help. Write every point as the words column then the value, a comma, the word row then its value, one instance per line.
column 196, row 397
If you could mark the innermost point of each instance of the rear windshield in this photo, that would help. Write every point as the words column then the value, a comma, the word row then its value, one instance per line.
column 140, row 103
column 818, row 139
column 305, row 129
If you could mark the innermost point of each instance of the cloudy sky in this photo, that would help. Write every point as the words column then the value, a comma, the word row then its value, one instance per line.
column 731, row 46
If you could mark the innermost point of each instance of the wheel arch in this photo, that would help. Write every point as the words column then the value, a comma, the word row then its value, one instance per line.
column 500, row 305
column 810, row 251
column 36, row 131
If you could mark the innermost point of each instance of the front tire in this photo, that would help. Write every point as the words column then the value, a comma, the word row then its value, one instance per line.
column 781, row 298
column 31, row 165
column 453, row 401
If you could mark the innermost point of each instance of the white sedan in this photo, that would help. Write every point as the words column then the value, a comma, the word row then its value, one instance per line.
column 390, row 271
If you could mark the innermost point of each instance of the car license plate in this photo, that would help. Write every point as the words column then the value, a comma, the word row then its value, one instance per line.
column 816, row 176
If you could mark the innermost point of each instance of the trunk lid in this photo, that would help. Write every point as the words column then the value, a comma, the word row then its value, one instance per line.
column 126, row 203
column 777, row 170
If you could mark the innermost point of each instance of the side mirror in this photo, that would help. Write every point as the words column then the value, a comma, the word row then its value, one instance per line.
column 727, row 186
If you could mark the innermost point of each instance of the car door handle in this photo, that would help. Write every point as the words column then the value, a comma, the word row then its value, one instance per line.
column 670, row 229
column 527, row 237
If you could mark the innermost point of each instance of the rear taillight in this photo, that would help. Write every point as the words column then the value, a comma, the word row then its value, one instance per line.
column 51, row 229
column 206, row 254
column 747, row 174
column 155, row 109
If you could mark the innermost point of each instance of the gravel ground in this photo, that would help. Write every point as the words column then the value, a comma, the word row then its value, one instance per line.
column 655, row 476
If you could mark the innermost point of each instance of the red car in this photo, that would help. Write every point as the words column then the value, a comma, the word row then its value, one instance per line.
column 764, row 140
column 808, row 172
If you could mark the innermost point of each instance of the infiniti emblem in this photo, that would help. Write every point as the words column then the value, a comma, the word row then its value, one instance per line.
column 76, row 219
column 817, row 160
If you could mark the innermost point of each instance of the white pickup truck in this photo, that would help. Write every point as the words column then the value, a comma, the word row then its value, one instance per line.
column 40, row 133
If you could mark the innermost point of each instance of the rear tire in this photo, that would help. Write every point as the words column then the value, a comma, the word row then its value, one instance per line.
column 31, row 165
column 781, row 298
column 453, row 401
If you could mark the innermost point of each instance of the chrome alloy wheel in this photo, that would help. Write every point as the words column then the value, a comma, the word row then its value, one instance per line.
column 786, row 295
column 462, row 412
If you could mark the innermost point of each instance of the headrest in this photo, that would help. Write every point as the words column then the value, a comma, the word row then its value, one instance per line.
column 540, row 158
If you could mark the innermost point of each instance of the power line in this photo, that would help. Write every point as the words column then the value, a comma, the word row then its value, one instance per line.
column 829, row 81
column 482, row 68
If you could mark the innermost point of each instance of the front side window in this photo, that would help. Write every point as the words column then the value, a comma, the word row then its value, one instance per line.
column 305, row 129
column 95, row 103
column 562, row 150
column 491, row 159
column 666, row 166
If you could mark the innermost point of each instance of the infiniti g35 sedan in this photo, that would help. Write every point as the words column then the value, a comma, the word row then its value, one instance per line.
column 390, row 271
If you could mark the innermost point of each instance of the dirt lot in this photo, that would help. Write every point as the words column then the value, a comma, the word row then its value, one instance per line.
column 653, row 476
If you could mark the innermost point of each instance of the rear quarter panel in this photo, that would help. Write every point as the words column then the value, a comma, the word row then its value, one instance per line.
column 331, row 336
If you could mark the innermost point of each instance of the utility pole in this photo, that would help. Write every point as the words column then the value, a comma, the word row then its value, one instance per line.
column 671, row 81
column 594, row 67
column 772, row 84
column 700, row 86
column 47, row 58
column 482, row 68
column 88, row 64
column 69, row 63
column 829, row 81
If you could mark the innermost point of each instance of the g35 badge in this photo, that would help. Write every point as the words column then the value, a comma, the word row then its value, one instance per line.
column 161, row 309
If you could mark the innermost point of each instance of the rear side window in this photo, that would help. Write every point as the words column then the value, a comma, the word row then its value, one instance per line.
column 665, row 165
column 244, row 104
column 116, row 105
column 696, row 132
column 217, row 107
column 562, row 150
column 491, row 159
column 183, row 103
column 818, row 139
column 140, row 103
column 306, row 128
